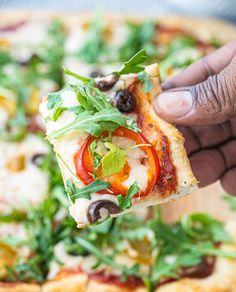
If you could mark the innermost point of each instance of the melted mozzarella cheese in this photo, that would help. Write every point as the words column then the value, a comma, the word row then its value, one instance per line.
column 69, row 99
column 28, row 185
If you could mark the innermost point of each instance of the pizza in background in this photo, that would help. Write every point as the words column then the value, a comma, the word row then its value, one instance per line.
column 41, row 249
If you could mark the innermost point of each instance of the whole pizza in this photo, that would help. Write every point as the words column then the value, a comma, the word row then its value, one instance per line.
column 94, row 79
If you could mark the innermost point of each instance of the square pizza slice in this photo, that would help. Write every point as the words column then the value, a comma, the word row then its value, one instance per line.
column 116, row 155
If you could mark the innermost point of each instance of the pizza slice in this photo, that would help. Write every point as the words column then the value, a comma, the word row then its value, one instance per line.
column 116, row 155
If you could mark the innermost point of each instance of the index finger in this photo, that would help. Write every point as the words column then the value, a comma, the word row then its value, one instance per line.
column 200, row 70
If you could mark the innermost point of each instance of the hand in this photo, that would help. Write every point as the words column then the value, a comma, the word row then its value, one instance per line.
column 202, row 101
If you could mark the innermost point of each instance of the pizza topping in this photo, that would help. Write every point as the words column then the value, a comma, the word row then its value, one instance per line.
column 7, row 258
column 125, row 202
column 127, row 160
column 38, row 159
column 202, row 270
column 96, row 73
column 134, row 64
column 94, row 113
column 85, row 192
column 125, row 101
column 16, row 164
column 107, row 82
column 101, row 210
column 19, row 175
column 138, row 36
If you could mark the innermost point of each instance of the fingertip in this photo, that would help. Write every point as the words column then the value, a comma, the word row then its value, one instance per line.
column 228, row 181
column 173, row 105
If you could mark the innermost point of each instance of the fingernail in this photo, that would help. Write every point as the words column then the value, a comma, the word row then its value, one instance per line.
column 175, row 103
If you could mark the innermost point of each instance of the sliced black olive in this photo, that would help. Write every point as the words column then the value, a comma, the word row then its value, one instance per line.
column 202, row 270
column 94, row 210
column 96, row 73
column 37, row 159
column 125, row 101
column 107, row 82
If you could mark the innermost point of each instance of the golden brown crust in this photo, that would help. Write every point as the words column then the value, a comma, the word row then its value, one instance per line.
column 186, row 182
column 19, row 287
column 94, row 285
column 72, row 283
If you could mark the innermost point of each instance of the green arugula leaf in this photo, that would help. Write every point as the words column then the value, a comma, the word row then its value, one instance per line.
column 57, row 111
column 140, row 36
column 96, row 157
column 145, row 79
column 95, row 44
column 134, row 270
column 133, row 64
column 77, row 76
column 96, row 123
column 85, row 192
column 231, row 200
column 125, row 202
column 13, row 216
column 203, row 226
column 114, row 161
column 108, row 260
column 208, row 248
column 95, row 115
column 53, row 99
column 5, row 57
column 96, row 100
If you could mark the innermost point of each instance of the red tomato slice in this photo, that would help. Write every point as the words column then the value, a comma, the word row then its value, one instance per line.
column 85, row 169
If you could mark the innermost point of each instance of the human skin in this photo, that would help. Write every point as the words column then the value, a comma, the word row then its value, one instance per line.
column 201, row 101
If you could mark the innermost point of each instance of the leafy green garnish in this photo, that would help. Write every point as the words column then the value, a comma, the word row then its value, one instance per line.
column 96, row 157
column 203, row 226
column 77, row 76
column 185, row 244
column 114, row 161
column 5, row 57
column 140, row 36
column 231, row 200
column 145, row 79
column 95, row 124
column 53, row 99
column 108, row 260
column 95, row 45
column 133, row 64
column 125, row 202
column 55, row 104
column 42, row 236
column 16, row 126
column 85, row 192
column 53, row 52
column 96, row 113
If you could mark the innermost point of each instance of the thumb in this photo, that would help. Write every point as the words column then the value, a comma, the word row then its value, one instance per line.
column 210, row 102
